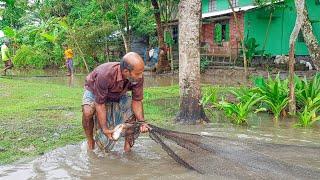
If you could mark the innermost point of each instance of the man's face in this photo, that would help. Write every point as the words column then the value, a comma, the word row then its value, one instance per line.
column 135, row 75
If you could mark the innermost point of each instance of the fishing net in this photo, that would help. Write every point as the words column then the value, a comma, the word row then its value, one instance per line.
column 234, row 158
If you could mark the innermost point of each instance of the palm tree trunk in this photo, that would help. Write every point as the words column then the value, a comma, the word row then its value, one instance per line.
column 311, row 40
column 297, row 27
column 191, row 111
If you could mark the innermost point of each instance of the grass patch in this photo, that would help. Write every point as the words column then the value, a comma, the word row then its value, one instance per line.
column 38, row 117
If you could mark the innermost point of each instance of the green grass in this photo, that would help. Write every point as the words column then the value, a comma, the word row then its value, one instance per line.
column 36, row 118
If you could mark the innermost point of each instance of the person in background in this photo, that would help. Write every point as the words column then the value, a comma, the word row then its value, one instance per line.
column 68, row 56
column 6, row 56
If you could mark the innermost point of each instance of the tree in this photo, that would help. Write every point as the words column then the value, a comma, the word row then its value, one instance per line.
column 245, row 62
column 163, row 63
column 311, row 40
column 189, row 62
column 299, row 4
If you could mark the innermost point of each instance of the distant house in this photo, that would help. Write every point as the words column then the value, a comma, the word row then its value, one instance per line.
column 219, row 32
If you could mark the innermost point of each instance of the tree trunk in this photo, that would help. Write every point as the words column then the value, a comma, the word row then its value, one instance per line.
column 191, row 111
column 163, row 63
column 128, row 35
column 311, row 40
column 267, row 33
column 245, row 62
column 297, row 27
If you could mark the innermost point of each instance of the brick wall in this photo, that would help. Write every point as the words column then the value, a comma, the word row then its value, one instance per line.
column 207, row 37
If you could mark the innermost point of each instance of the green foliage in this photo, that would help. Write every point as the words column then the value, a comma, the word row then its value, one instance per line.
column 308, row 98
column 88, row 27
column 209, row 97
column 238, row 112
column 204, row 64
column 28, row 56
column 275, row 93
column 309, row 114
column 251, row 48
column 307, row 89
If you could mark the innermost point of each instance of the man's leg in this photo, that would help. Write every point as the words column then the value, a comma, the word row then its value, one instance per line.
column 8, row 65
column 87, row 123
column 127, row 115
column 68, row 67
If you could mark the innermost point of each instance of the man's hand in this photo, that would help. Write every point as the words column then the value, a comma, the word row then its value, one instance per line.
column 108, row 133
column 144, row 128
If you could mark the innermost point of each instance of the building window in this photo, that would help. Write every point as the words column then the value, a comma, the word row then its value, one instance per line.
column 212, row 5
column 221, row 32
column 300, row 37
column 235, row 3
column 175, row 34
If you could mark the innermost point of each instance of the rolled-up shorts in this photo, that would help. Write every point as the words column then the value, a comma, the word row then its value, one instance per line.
column 117, row 113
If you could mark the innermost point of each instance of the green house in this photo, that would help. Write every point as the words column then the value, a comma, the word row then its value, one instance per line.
column 271, row 26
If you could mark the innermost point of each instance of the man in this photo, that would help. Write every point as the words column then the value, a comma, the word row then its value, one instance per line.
column 105, row 93
column 6, row 57
column 68, row 55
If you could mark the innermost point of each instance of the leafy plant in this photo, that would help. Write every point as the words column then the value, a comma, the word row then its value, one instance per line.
column 204, row 64
column 251, row 48
column 30, row 56
column 209, row 97
column 309, row 114
column 238, row 112
column 275, row 93
column 307, row 90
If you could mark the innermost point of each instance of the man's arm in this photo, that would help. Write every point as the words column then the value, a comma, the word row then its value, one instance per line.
column 137, row 108
column 102, row 118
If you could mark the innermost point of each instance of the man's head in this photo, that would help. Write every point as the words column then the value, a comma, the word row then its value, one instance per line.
column 6, row 42
column 132, row 66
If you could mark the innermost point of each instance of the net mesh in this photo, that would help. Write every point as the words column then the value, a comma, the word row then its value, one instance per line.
column 232, row 158
column 224, row 157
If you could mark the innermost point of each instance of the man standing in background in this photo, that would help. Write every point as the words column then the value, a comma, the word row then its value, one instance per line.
column 6, row 57
column 68, row 56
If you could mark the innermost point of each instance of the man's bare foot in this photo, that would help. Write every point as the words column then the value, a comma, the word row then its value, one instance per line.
column 126, row 147
column 91, row 144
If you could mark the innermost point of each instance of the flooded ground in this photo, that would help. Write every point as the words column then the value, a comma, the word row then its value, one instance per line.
column 265, row 150
column 258, row 152
column 221, row 77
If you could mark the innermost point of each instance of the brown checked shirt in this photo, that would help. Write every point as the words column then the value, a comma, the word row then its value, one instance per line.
column 107, row 84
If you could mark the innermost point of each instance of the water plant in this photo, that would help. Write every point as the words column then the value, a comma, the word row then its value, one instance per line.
column 274, row 93
column 238, row 112
column 306, row 90
column 309, row 114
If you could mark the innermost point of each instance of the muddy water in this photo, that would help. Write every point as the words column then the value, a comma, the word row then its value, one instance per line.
column 258, row 152
column 217, row 77
column 265, row 150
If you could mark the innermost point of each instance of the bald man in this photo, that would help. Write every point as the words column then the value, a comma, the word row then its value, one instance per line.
column 106, row 95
